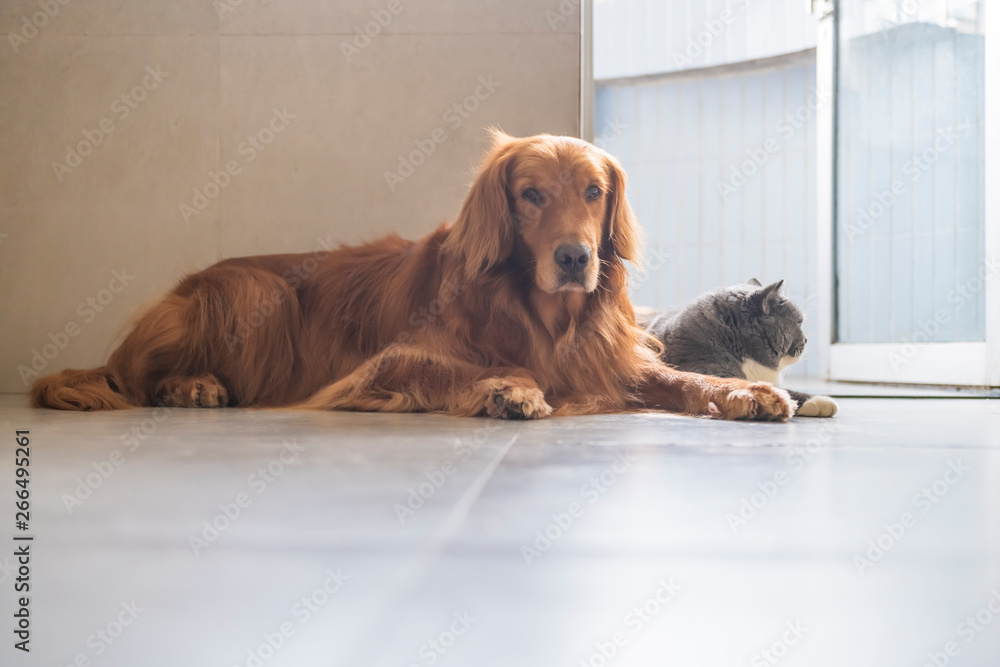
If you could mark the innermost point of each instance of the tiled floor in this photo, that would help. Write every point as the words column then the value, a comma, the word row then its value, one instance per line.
column 617, row 541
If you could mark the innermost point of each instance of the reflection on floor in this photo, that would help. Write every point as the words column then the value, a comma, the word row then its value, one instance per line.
column 233, row 537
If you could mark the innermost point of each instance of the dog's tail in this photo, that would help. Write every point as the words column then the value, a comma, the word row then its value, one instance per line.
column 78, row 390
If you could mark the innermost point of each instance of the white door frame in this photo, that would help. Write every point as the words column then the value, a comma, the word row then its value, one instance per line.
column 825, row 143
column 976, row 363
column 992, row 354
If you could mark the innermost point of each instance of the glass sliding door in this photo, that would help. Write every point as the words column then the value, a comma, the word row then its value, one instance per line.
column 912, row 271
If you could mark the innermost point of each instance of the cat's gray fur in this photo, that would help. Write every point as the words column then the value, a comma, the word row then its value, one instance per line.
column 745, row 331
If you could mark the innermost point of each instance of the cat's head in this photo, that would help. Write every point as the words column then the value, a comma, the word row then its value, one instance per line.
column 769, row 324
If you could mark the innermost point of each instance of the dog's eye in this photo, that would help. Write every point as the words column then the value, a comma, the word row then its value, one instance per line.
column 593, row 192
column 534, row 196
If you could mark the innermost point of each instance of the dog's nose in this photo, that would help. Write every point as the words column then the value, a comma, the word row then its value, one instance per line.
column 572, row 257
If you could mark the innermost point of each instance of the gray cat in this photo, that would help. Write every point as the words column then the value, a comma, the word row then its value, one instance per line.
column 745, row 331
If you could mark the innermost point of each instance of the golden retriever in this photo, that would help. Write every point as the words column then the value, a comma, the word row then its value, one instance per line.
column 518, row 310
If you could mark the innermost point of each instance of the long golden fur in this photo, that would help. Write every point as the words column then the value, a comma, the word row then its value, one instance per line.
column 518, row 310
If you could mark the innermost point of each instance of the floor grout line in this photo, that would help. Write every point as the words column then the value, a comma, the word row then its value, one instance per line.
column 434, row 546
column 430, row 551
column 452, row 522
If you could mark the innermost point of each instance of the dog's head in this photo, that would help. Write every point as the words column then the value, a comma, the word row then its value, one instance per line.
column 557, row 202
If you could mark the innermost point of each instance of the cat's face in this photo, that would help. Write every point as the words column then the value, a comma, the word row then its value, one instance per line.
column 769, row 325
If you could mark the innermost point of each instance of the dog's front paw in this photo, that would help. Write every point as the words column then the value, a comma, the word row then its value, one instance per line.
column 513, row 401
column 759, row 401
column 817, row 406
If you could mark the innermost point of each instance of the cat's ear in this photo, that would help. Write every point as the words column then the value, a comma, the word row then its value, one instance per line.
column 763, row 300
column 754, row 282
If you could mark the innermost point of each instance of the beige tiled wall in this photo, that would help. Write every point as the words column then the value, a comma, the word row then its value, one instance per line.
column 199, row 79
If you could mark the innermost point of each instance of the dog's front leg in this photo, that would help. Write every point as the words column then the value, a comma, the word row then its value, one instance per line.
column 405, row 378
column 725, row 398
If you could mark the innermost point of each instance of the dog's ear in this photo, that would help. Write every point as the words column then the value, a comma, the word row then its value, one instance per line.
column 498, row 136
column 484, row 232
column 621, row 229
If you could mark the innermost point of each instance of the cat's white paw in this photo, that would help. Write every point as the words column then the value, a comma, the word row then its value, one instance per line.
column 817, row 406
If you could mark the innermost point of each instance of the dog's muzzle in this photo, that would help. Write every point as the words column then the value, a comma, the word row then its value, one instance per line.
column 572, row 260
